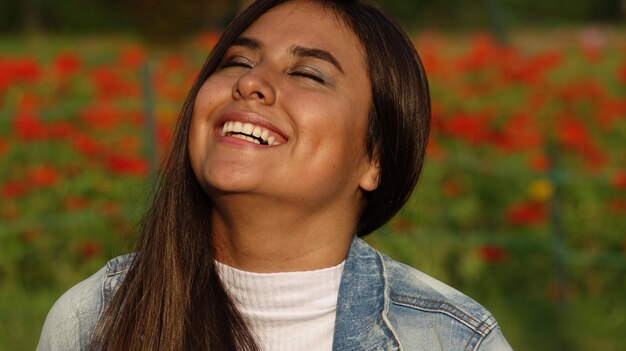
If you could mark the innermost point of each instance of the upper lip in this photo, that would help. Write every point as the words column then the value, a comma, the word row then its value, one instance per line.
column 252, row 118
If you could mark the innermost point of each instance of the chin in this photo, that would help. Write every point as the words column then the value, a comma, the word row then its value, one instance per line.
column 228, row 181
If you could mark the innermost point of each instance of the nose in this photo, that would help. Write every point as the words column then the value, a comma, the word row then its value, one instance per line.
column 254, row 85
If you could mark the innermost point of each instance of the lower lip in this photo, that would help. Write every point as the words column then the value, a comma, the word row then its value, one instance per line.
column 236, row 141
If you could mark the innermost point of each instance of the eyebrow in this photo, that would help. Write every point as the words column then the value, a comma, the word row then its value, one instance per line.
column 298, row 51
column 248, row 43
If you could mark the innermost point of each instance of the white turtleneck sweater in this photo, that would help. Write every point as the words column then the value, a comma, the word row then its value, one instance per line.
column 287, row 311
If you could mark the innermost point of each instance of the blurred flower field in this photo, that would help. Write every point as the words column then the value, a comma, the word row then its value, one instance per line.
column 522, row 204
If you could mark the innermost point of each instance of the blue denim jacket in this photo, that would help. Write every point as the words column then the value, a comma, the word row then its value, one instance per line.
column 382, row 305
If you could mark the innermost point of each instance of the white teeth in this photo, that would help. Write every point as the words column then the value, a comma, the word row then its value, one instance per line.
column 247, row 128
column 249, row 132
column 245, row 137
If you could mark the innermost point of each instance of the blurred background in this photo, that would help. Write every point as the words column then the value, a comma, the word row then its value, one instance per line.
column 522, row 203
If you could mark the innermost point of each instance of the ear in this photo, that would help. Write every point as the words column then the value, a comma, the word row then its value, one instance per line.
column 371, row 176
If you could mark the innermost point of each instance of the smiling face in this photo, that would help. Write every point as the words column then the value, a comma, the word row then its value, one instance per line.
column 284, row 115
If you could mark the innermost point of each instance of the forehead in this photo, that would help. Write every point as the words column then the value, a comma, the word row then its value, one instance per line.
column 310, row 24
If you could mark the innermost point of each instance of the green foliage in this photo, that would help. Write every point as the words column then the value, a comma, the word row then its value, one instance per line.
column 61, row 16
column 460, row 14
column 521, row 204
column 166, row 21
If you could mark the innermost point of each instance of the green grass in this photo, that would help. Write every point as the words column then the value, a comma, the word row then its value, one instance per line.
column 22, row 314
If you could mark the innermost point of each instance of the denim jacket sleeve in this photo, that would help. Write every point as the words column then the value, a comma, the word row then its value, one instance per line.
column 71, row 319
column 386, row 305
column 494, row 341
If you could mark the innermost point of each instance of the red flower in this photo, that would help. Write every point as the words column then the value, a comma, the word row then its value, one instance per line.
column 491, row 253
column 132, row 58
column 28, row 127
column 128, row 144
column 431, row 62
column 173, row 63
column 100, row 117
column 531, row 70
column 13, row 189
column 60, row 130
column 43, row 176
column 26, row 70
column 589, row 89
column 74, row 203
column 164, row 134
column 90, row 249
column 86, row 145
column 619, row 180
column 527, row 213
column 67, row 63
column 31, row 235
column 595, row 160
column 609, row 111
column 6, row 79
column 28, row 102
column 9, row 212
column 110, row 84
column 470, row 128
column 484, row 51
column 539, row 163
column 208, row 39
column 617, row 206
column 519, row 132
column 4, row 147
column 127, row 165
column 453, row 188
column 435, row 150
column 18, row 70
column 136, row 118
column 111, row 209
column 573, row 134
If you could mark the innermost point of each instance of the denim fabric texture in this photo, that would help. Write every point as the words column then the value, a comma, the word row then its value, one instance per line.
column 382, row 305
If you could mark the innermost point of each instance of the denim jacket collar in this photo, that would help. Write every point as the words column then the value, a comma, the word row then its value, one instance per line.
column 363, row 303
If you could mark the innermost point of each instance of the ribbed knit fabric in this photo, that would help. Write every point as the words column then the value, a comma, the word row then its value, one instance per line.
column 287, row 311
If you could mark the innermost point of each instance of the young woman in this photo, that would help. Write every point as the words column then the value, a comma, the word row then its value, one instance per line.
column 305, row 129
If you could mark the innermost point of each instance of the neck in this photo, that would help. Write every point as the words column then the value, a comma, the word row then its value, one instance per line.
column 263, row 236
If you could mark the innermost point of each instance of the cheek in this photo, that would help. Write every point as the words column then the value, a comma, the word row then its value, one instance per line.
column 194, row 140
column 336, row 133
column 196, row 149
column 212, row 92
column 200, row 128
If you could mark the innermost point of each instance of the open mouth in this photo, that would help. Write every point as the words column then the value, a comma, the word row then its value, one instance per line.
column 249, row 132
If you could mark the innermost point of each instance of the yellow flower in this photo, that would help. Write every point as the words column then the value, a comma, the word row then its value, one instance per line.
column 541, row 190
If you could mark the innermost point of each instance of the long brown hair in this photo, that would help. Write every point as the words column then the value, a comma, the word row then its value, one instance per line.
column 172, row 297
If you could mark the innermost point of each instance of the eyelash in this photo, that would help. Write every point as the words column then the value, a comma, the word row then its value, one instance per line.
column 236, row 62
column 245, row 63
column 308, row 75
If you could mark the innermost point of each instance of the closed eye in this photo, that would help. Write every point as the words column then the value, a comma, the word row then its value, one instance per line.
column 310, row 72
column 237, row 61
column 309, row 75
